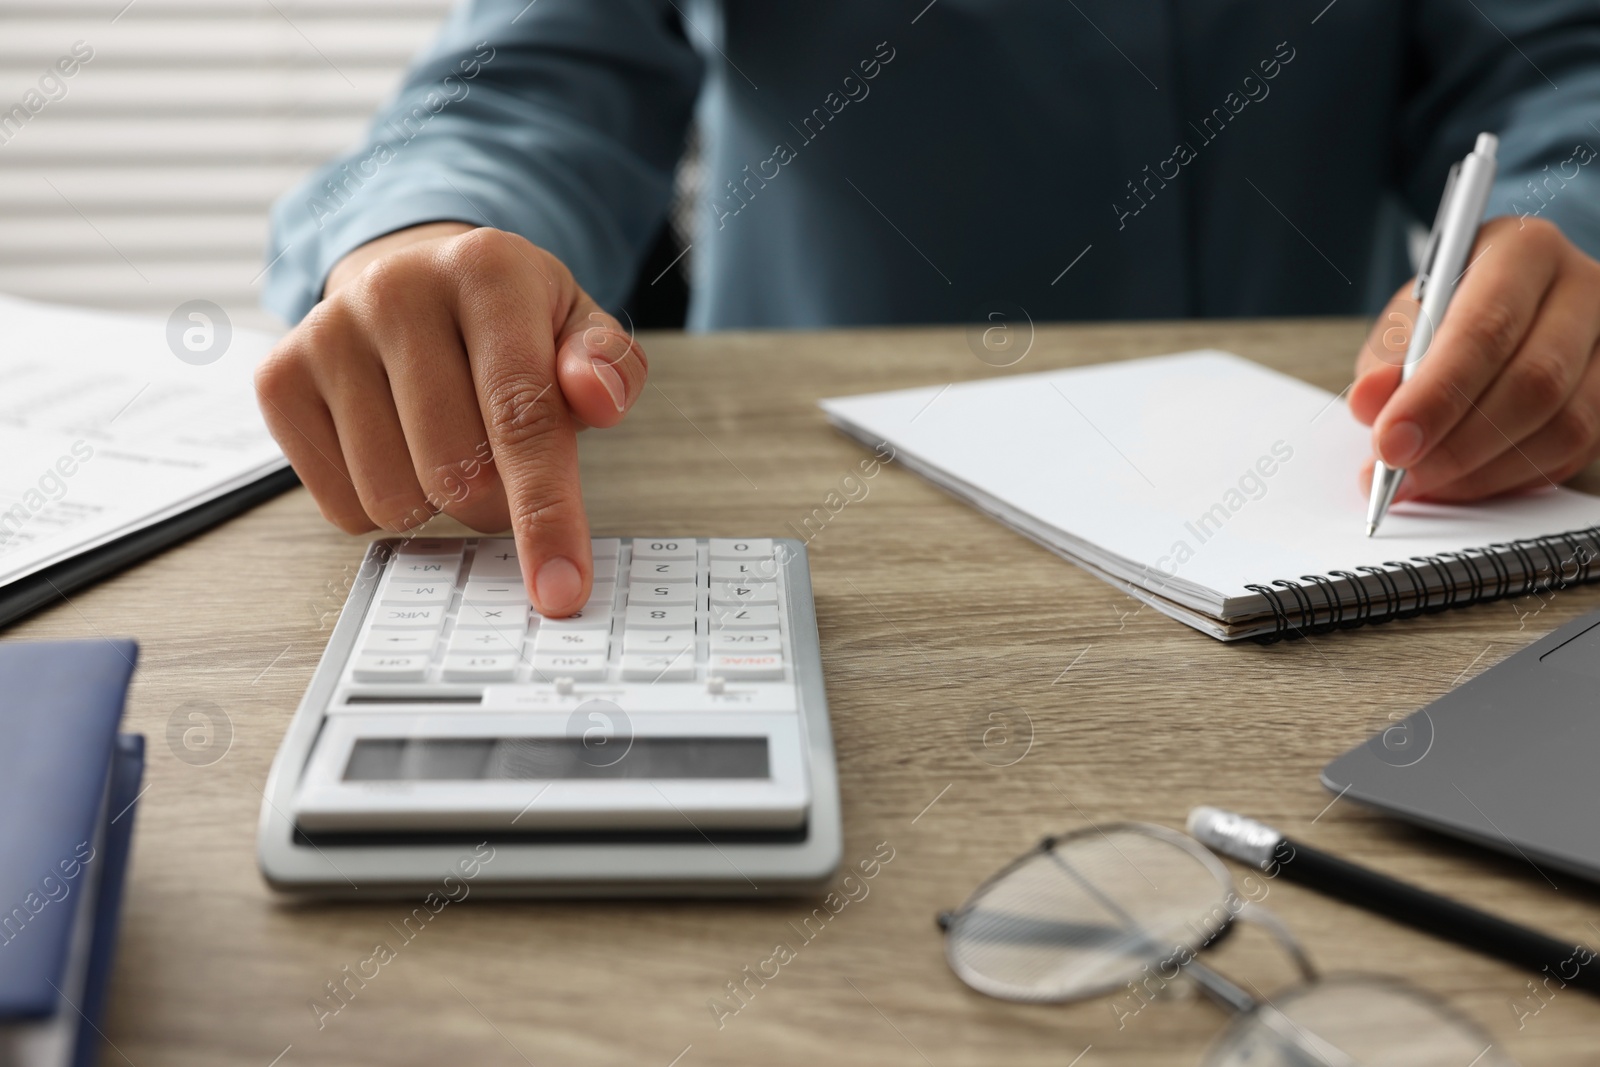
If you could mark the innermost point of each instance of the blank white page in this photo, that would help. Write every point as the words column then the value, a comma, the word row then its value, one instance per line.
column 1198, row 469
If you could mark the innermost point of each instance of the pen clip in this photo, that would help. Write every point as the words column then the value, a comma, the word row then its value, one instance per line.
column 1425, row 266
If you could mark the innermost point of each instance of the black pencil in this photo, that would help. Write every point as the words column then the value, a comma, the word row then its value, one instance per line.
column 1257, row 844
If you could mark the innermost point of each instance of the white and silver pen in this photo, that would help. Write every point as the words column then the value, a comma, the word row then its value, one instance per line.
column 1455, row 228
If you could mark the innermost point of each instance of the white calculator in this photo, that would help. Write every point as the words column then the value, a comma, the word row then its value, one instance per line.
column 671, row 737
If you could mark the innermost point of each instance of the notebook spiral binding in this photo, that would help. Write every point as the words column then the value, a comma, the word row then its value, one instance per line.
column 1312, row 606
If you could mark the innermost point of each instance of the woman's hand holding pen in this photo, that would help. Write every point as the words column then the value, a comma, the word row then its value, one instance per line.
column 1508, row 397
column 449, row 368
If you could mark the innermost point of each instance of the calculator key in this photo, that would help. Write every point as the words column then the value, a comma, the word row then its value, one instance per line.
column 495, row 591
column 496, row 546
column 494, row 570
column 741, row 548
column 491, row 617
column 425, row 568
column 596, row 641
column 407, row 617
column 486, row 642
column 746, row 641
column 657, row 641
column 744, row 593
column 599, row 602
column 743, row 570
column 394, row 642
column 414, row 592
column 585, row 618
column 548, row 666
column 644, row 667
column 384, row 668
column 762, row 667
column 605, row 547
column 493, row 668
column 650, row 593
column 664, row 617
column 497, row 554
column 739, row 617
column 656, row 571
column 605, row 569
column 658, row 548
column 430, row 546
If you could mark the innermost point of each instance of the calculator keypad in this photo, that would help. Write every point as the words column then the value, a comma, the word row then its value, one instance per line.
column 667, row 613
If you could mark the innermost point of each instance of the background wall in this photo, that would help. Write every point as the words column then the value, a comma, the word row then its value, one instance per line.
column 144, row 179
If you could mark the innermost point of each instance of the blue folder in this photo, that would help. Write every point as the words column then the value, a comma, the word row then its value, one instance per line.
column 68, row 784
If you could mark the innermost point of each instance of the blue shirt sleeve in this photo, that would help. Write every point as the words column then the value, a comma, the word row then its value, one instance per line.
column 1522, row 69
column 560, row 120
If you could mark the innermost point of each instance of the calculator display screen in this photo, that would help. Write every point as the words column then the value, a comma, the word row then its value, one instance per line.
column 475, row 759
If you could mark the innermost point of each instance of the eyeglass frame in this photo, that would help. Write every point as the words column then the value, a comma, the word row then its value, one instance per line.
column 1221, row 989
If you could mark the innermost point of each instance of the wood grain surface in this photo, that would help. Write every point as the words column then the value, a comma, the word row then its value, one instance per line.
column 932, row 618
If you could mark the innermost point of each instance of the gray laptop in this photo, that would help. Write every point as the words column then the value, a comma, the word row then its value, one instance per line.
column 1508, row 760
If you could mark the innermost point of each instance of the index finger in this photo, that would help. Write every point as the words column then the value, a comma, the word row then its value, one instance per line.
column 508, row 320
column 1494, row 304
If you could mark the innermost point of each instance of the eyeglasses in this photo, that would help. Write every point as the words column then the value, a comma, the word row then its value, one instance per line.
column 1128, row 906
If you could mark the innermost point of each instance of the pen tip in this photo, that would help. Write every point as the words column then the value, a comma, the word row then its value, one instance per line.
column 1372, row 528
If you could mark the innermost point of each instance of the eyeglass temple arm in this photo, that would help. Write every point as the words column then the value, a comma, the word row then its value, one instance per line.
column 1222, row 989
column 1307, row 1048
column 1218, row 988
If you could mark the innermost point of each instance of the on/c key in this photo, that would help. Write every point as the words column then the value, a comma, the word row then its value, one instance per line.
column 761, row 667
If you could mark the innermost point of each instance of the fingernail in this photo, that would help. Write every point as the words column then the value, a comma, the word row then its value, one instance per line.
column 1401, row 443
column 557, row 584
column 612, row 381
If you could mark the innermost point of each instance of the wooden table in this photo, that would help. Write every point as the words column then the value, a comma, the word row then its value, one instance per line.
column 932, row 616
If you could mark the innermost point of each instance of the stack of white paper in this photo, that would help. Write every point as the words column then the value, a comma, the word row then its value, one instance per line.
column 105, row 430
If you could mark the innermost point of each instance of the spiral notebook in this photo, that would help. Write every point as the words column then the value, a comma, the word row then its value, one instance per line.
column 1220, row 492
